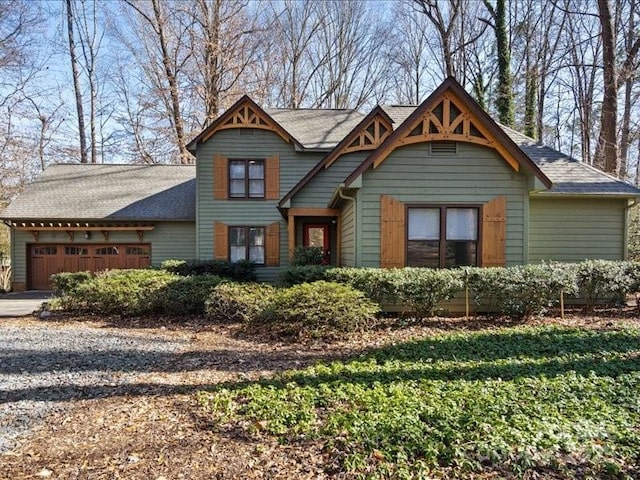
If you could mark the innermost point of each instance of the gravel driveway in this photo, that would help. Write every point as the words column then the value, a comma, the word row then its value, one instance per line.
column 43, row 367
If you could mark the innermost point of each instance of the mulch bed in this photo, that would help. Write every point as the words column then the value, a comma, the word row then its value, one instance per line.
column 162, row 434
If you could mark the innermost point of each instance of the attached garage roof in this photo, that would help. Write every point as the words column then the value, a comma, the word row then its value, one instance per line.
column 108, row 192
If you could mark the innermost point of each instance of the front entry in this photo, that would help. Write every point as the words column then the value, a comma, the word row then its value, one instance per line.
column 317, row 235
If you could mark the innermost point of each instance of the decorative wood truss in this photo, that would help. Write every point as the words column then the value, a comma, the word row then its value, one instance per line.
column 368, row 138
column 71, row 228
column 247, row 114
column 449, row 119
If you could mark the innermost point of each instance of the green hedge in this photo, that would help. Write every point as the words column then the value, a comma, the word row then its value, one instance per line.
column 419, row 290
column 238, row 302
column 297, row 274
column 242, row 271
column 318, row 310
column 520, row 291
column 66, row 282
column 139, row 292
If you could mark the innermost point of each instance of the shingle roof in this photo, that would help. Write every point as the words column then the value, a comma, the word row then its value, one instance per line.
column 108, row 192
column 398, row 113
column 570, row 176
column 316, row 129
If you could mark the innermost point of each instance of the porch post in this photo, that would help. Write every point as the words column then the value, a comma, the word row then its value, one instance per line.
column 292, row 234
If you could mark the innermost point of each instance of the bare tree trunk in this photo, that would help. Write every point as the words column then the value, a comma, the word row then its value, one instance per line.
column 628, row 73
column 185, row 156
column 170, row 70
column 76, row 83
column 607, row 140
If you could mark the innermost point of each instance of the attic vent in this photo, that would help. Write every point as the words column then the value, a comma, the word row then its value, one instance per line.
column 444, row 148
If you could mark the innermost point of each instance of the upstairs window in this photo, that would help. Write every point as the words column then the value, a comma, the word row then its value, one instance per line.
column 442, row 236
column 246, row 179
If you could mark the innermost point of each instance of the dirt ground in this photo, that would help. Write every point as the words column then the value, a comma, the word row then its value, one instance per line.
column 155, row 430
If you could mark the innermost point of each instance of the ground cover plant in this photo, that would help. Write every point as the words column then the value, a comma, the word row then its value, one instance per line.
column 554, row 401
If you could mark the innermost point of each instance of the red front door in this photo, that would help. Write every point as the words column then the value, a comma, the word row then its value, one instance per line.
column 317, row 235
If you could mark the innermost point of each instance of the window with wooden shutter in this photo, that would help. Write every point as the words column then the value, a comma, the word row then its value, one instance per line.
column 273, row 177
column 220, row 241
column 494, row 232
column 273, row 245
column 392, row 232
column 220, row 177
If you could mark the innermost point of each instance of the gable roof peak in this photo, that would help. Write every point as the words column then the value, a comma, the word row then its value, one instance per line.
column 450, row 113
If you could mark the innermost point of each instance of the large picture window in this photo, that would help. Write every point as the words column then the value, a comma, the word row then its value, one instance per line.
column 246, row 243
column 246, row 179
column 442, row 236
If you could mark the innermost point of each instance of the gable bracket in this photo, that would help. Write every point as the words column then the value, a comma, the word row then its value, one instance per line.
column 449, row 119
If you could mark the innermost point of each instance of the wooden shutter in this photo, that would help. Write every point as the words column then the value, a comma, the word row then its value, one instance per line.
column 220, row 241
column 272, row 177
column 220, row 177
column 494, row 232
column 392, row 233
column 272, row 250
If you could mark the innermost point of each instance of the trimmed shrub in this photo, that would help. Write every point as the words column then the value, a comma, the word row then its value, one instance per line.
column 139, row 292
column 378, row 284
column 419, row 290
column 125, row 292
column 319, row 310
column 66, row 282
column 520, row 291
column 238, row 302
column 185, row 295
column 306, row 256
column 242, row 271
column 295, row 275
column 603, row 281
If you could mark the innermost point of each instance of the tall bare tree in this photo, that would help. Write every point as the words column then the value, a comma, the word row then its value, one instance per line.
column 607, row 148
column 71, row 21
column 172, row 56
column 628, row 76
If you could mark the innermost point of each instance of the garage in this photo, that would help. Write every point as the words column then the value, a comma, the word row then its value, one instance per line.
column 45, row 260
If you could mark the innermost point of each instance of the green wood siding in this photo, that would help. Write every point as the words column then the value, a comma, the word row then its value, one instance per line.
column 317, row 192
column 168, row 240
column 411, row 174
column 245, row 143
column 572, row 230
column 348, row 240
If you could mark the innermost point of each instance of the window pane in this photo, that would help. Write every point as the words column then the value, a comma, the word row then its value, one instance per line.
column 423, row 253
column 76, row 251
column 237, row 253
column 256, row 254
column 237, row 169
column 461, row 253
column 237, row 236
column 236, row 188
column 424, row 224
column 256, row 237
column 256, row 188
column 462, row 223
column 256, row 169
column 144, row 251
column 107, row 251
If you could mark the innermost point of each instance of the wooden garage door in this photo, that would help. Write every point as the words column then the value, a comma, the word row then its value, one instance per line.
column 45, row 260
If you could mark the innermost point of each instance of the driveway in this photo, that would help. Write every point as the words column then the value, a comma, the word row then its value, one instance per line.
column 19, row 304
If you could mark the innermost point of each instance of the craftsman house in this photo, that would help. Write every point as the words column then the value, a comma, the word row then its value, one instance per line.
column 438, row 185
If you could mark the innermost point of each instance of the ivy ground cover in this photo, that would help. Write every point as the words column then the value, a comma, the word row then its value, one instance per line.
column 549, row 401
